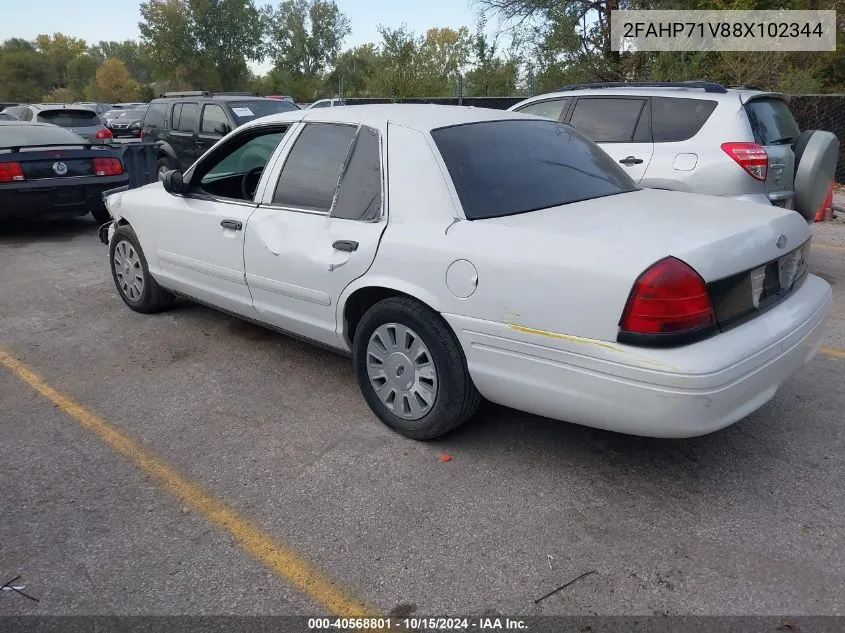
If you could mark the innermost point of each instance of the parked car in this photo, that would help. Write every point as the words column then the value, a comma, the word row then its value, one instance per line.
column 186, row 124
column 80, row 120
column 327, row 103
column 14, row 111
column 128, row 106
column 464, row 252
column 99, row 108
column 126, row 123
column 282, row 98
column 48, row 170
column 701, row 137
column 6, row 117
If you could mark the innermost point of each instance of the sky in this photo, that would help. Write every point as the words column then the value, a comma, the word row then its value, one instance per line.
column 95, row 20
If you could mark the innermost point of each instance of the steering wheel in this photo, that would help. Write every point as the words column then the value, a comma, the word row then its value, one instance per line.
column 248, row 192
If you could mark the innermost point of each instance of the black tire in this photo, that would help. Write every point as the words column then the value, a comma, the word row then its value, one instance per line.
column 153, row 298
column 456, row 399
column 800, row 146
column 101, row 214
column 163, row 162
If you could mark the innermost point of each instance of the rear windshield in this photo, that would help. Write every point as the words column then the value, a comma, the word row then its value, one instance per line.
column 771, row 121
column 245, row 111
column 28, row 134
column 131, row 114
column 506, row 167
column 70, row 118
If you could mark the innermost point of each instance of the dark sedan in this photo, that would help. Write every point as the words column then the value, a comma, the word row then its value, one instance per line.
column 125, row 122
column 47, row 170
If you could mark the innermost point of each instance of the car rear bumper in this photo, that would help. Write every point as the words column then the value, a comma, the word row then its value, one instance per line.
column 55, row 197
column 681, row 392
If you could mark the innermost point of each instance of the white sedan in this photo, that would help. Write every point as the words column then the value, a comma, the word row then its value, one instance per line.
column 460, row 252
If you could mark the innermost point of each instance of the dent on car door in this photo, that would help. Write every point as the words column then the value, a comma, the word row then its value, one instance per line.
column 621, row 126
column 200, row 234
column 317, row 229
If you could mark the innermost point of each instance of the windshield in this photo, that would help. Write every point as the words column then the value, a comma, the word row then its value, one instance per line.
column 37, row 135
column 506, row 167
column 771, row 121
column 245, row 111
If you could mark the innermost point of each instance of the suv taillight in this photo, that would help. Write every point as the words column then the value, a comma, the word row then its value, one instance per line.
column 11, row 172
column 107, row 167
column 668, row 305
column 104, row 133
column 750, row 156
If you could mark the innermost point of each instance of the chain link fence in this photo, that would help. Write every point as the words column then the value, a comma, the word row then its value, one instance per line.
column 812, row 112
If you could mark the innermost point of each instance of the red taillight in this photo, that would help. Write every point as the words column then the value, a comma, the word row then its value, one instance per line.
column 668, row 298
column 107, row 167
column 11, row 172
column 750, row 156
column 142, row 134
column 104, row 133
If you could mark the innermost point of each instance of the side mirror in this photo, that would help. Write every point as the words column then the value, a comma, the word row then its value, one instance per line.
column 173, row 182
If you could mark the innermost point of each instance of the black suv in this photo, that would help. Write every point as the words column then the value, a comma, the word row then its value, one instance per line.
column 186, row 124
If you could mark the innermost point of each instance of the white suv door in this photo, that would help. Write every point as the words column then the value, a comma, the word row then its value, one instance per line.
column 621, row 126
column 317, row 229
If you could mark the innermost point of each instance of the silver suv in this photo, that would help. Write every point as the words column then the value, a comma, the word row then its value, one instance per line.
column 701, row 137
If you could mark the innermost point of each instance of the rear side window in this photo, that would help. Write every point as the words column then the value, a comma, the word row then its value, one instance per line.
column 359, row 192
column 607, row 120
column 155, row 115
column 188, row 117
column 506, row 167
column 313, row 167
column 551, row 109
column 678, row 119
column 70, row 118
column 771, row 121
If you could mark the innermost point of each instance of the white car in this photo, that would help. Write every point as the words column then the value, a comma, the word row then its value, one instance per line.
column 463, row 252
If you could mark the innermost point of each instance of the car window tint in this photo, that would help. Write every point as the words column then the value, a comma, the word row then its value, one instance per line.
column 505, row 167
column 310, row 176
column 607, row 120
column 70, row 118
column 155, row 114
column 679, row 119
column 214, row 120
column 550, row 109
column 359, row 193
column 188, row 117
column 245, row 111
column 243, row 157
column 771, row 121
column 35, row 135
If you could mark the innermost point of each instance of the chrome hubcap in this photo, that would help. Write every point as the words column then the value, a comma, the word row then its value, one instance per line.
column 401, row 371
column 127, row 268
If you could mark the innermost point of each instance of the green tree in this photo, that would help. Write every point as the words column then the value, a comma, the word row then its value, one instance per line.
column 491, row 75
column 59, row 95
column 115, row 84
column 25, row 72
column 305, row 36
column 81, row 70
column 356, row 68
column 128, row 51
column 60, row 50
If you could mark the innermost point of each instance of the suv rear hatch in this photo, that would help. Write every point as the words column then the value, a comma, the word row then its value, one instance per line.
column 775, row 129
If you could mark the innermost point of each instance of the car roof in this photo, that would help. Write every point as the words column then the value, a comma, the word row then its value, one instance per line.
column 60, row 106
column 422, row 117
column 687, row 92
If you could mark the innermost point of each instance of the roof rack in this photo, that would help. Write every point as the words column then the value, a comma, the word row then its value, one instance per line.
column 707, row 86
column 186, row 93
column 746, row 88
column 236, row 94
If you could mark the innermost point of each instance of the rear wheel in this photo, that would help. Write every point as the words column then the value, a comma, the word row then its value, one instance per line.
column 411, row 369
column 131, row 275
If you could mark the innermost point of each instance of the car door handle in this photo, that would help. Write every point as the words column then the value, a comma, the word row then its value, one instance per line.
column 232, row 224
column 631, row 160
column 345, row 245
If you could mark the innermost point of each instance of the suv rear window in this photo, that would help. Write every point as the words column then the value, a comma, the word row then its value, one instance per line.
column 674, row 120
column 506, row 167
column 771, row 121
column 245, row 111
column 69, row 118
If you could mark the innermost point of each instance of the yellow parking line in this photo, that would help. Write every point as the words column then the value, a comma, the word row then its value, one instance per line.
column 827, row 247
column 286, row 563
column 832, row 351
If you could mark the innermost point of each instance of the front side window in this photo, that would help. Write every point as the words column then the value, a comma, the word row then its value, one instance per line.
column 607, row 120
column 235, row 169
column 506, row 167
column 214, row 121
column 551, row 109
column 313, row 168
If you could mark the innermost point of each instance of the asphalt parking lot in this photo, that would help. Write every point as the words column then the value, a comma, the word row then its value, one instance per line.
column 191, row 463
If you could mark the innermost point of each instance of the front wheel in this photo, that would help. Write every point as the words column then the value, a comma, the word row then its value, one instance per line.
column 131, row 275
column 411, row 369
